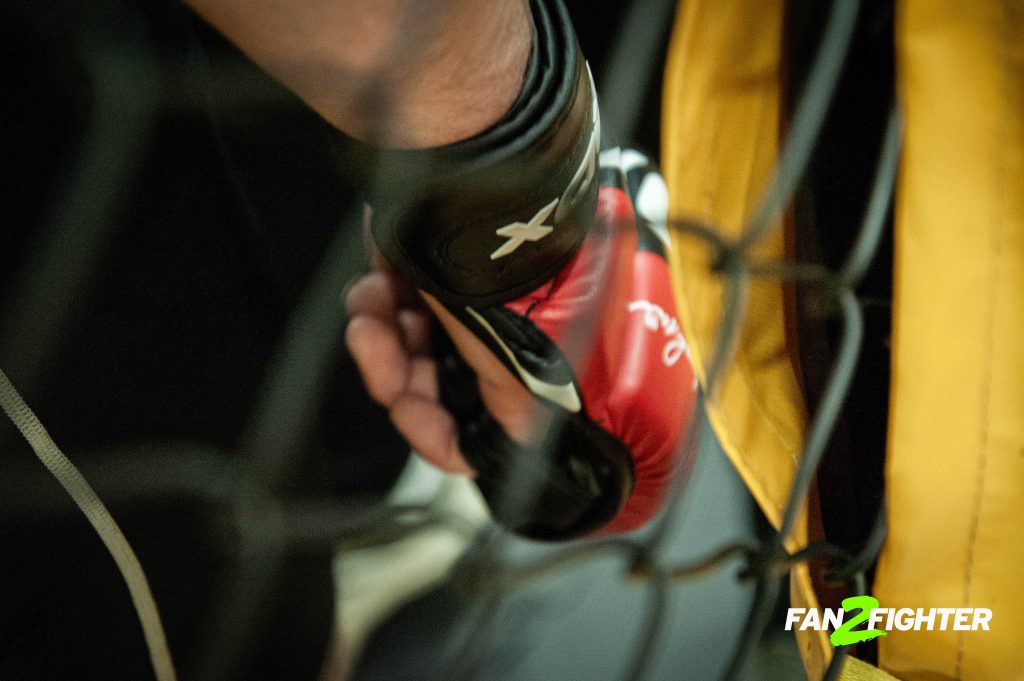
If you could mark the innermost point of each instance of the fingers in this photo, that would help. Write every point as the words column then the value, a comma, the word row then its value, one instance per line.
column 431, row 431
column 380, row 295
column 367, row 295
column 388, row 370
column 374, row 295
column 390, row 342
column 406, row 386
column 415, row 328
column 382, row 360
column 390, row 345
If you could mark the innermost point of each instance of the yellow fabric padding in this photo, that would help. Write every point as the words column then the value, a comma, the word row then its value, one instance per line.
column 721, row 136
column 856, row 670
column 720, row 140
column 955, row 466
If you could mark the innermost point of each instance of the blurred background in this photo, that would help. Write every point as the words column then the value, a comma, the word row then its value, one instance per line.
column 177, row 232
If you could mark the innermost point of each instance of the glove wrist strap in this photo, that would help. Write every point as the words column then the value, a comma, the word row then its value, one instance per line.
column 488, row 219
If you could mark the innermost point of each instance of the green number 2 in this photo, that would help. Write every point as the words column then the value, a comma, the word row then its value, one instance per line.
column 845, row 635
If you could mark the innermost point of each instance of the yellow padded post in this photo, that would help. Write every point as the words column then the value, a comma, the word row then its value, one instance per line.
column 721, row 136
column 955, row 466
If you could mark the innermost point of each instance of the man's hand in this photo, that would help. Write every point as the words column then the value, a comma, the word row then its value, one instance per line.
column 389, row 336
column 482, row 162
column 598, row 347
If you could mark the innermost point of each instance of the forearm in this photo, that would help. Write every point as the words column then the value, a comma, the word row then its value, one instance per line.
column 400, row 73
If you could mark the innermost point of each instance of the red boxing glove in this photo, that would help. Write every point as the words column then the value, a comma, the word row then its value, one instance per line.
column 637, row 380
column 615, row 369
column 565, row 283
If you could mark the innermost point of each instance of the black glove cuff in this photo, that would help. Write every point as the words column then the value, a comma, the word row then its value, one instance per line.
column 489, row 219
column 570, row 485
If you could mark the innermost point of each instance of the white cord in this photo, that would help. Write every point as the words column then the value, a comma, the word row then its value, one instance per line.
column 99, row 517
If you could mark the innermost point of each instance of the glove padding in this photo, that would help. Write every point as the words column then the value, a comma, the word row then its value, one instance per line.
column 599, row 344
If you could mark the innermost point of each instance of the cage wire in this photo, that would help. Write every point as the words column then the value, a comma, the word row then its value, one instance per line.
column 122, row 109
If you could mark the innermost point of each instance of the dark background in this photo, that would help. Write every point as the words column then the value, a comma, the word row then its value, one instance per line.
column 165, row 208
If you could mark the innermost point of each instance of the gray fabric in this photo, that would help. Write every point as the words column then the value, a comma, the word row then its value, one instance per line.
column 584, row 622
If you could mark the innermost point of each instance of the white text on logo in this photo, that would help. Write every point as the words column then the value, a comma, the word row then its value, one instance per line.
column 656, row 319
